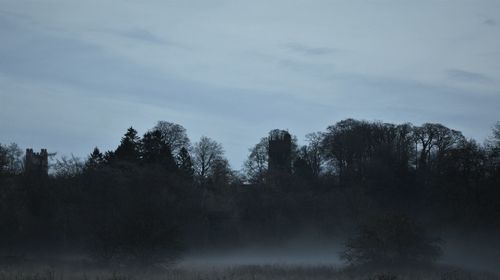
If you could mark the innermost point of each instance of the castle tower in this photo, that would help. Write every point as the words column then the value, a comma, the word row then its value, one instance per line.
column 36, row 163
column 280, row 152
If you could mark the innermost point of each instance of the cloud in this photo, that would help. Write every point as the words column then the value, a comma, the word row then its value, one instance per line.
column 466, row 76
column 323, row 71
column 235, row 70
column 312, row 51
column 144, row 35
column 490, row 22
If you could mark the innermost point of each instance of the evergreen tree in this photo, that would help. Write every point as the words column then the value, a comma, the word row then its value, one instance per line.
column 155, row 150
column 95, row 159
column 129, row 147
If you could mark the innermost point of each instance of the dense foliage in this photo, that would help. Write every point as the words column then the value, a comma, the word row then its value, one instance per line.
column 392, row 240
column 157, row 194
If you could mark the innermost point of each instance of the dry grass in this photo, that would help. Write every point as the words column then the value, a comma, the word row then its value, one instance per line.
column 242, row 272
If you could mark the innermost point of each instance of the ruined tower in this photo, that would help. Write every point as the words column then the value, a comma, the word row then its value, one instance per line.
column 280, row 152
column 36, row 163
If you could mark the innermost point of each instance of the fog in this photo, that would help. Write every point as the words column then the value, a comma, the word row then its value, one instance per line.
column 381, row 203
column 304, row 253
column 478, row 251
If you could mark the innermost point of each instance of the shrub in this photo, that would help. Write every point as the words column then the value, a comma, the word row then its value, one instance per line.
column 392, row 240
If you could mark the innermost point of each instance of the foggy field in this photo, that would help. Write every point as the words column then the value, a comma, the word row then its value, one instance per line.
column 248, row 263
column 241, row 272
column 247, row 140
column 298, row 259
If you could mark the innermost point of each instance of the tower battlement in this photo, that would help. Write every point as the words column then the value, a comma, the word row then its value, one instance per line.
column 36, row 162
column 280, row 151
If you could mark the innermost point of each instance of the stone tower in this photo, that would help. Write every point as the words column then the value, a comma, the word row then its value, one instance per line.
column 280, row 152
column 36, row 163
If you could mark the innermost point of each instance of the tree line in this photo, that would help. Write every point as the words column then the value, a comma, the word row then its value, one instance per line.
column 158, row 194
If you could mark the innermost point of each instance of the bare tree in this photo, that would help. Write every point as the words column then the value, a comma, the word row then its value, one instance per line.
column 68, row 167
column 493, row 147
column 314, row 153
column 435, row 139
column 174, row 135
column 493, row 141
column 206, row 153
column 256, row 165
column 221, row 173
column 11, row 159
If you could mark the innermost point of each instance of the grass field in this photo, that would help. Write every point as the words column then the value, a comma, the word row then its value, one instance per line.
column 241, row 272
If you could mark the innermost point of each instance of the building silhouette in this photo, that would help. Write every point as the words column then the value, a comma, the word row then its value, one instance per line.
column 36, row 163
column 280, row 152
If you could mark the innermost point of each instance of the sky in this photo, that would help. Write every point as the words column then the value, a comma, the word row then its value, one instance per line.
column 77, row 74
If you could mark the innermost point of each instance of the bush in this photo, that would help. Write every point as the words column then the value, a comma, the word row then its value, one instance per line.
column 392, row 240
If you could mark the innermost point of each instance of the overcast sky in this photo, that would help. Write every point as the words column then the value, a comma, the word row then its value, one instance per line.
column 76, row 74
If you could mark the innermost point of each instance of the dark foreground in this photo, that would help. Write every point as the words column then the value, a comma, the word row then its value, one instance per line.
column 240, row 272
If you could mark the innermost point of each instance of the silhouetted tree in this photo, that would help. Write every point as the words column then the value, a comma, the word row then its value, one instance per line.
column 94, row 160
column 434, row 140
column 136, row 203
column 354, row 147
column 185, row 163
column 156, row 150
column 68, row 167
column 392, row 240
column 11, row 161
column 493, row 145
column 255, row 166
column 464, row 163
column 220, row 174
column 174, row 135
column 3, row 160
column 314, row 155
column 206, row 153
column 344, row 144
column 302, row 167
column 404, row 154
column 129, row 148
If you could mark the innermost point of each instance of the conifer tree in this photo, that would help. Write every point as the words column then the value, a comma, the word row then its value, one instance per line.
column 129, row 147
